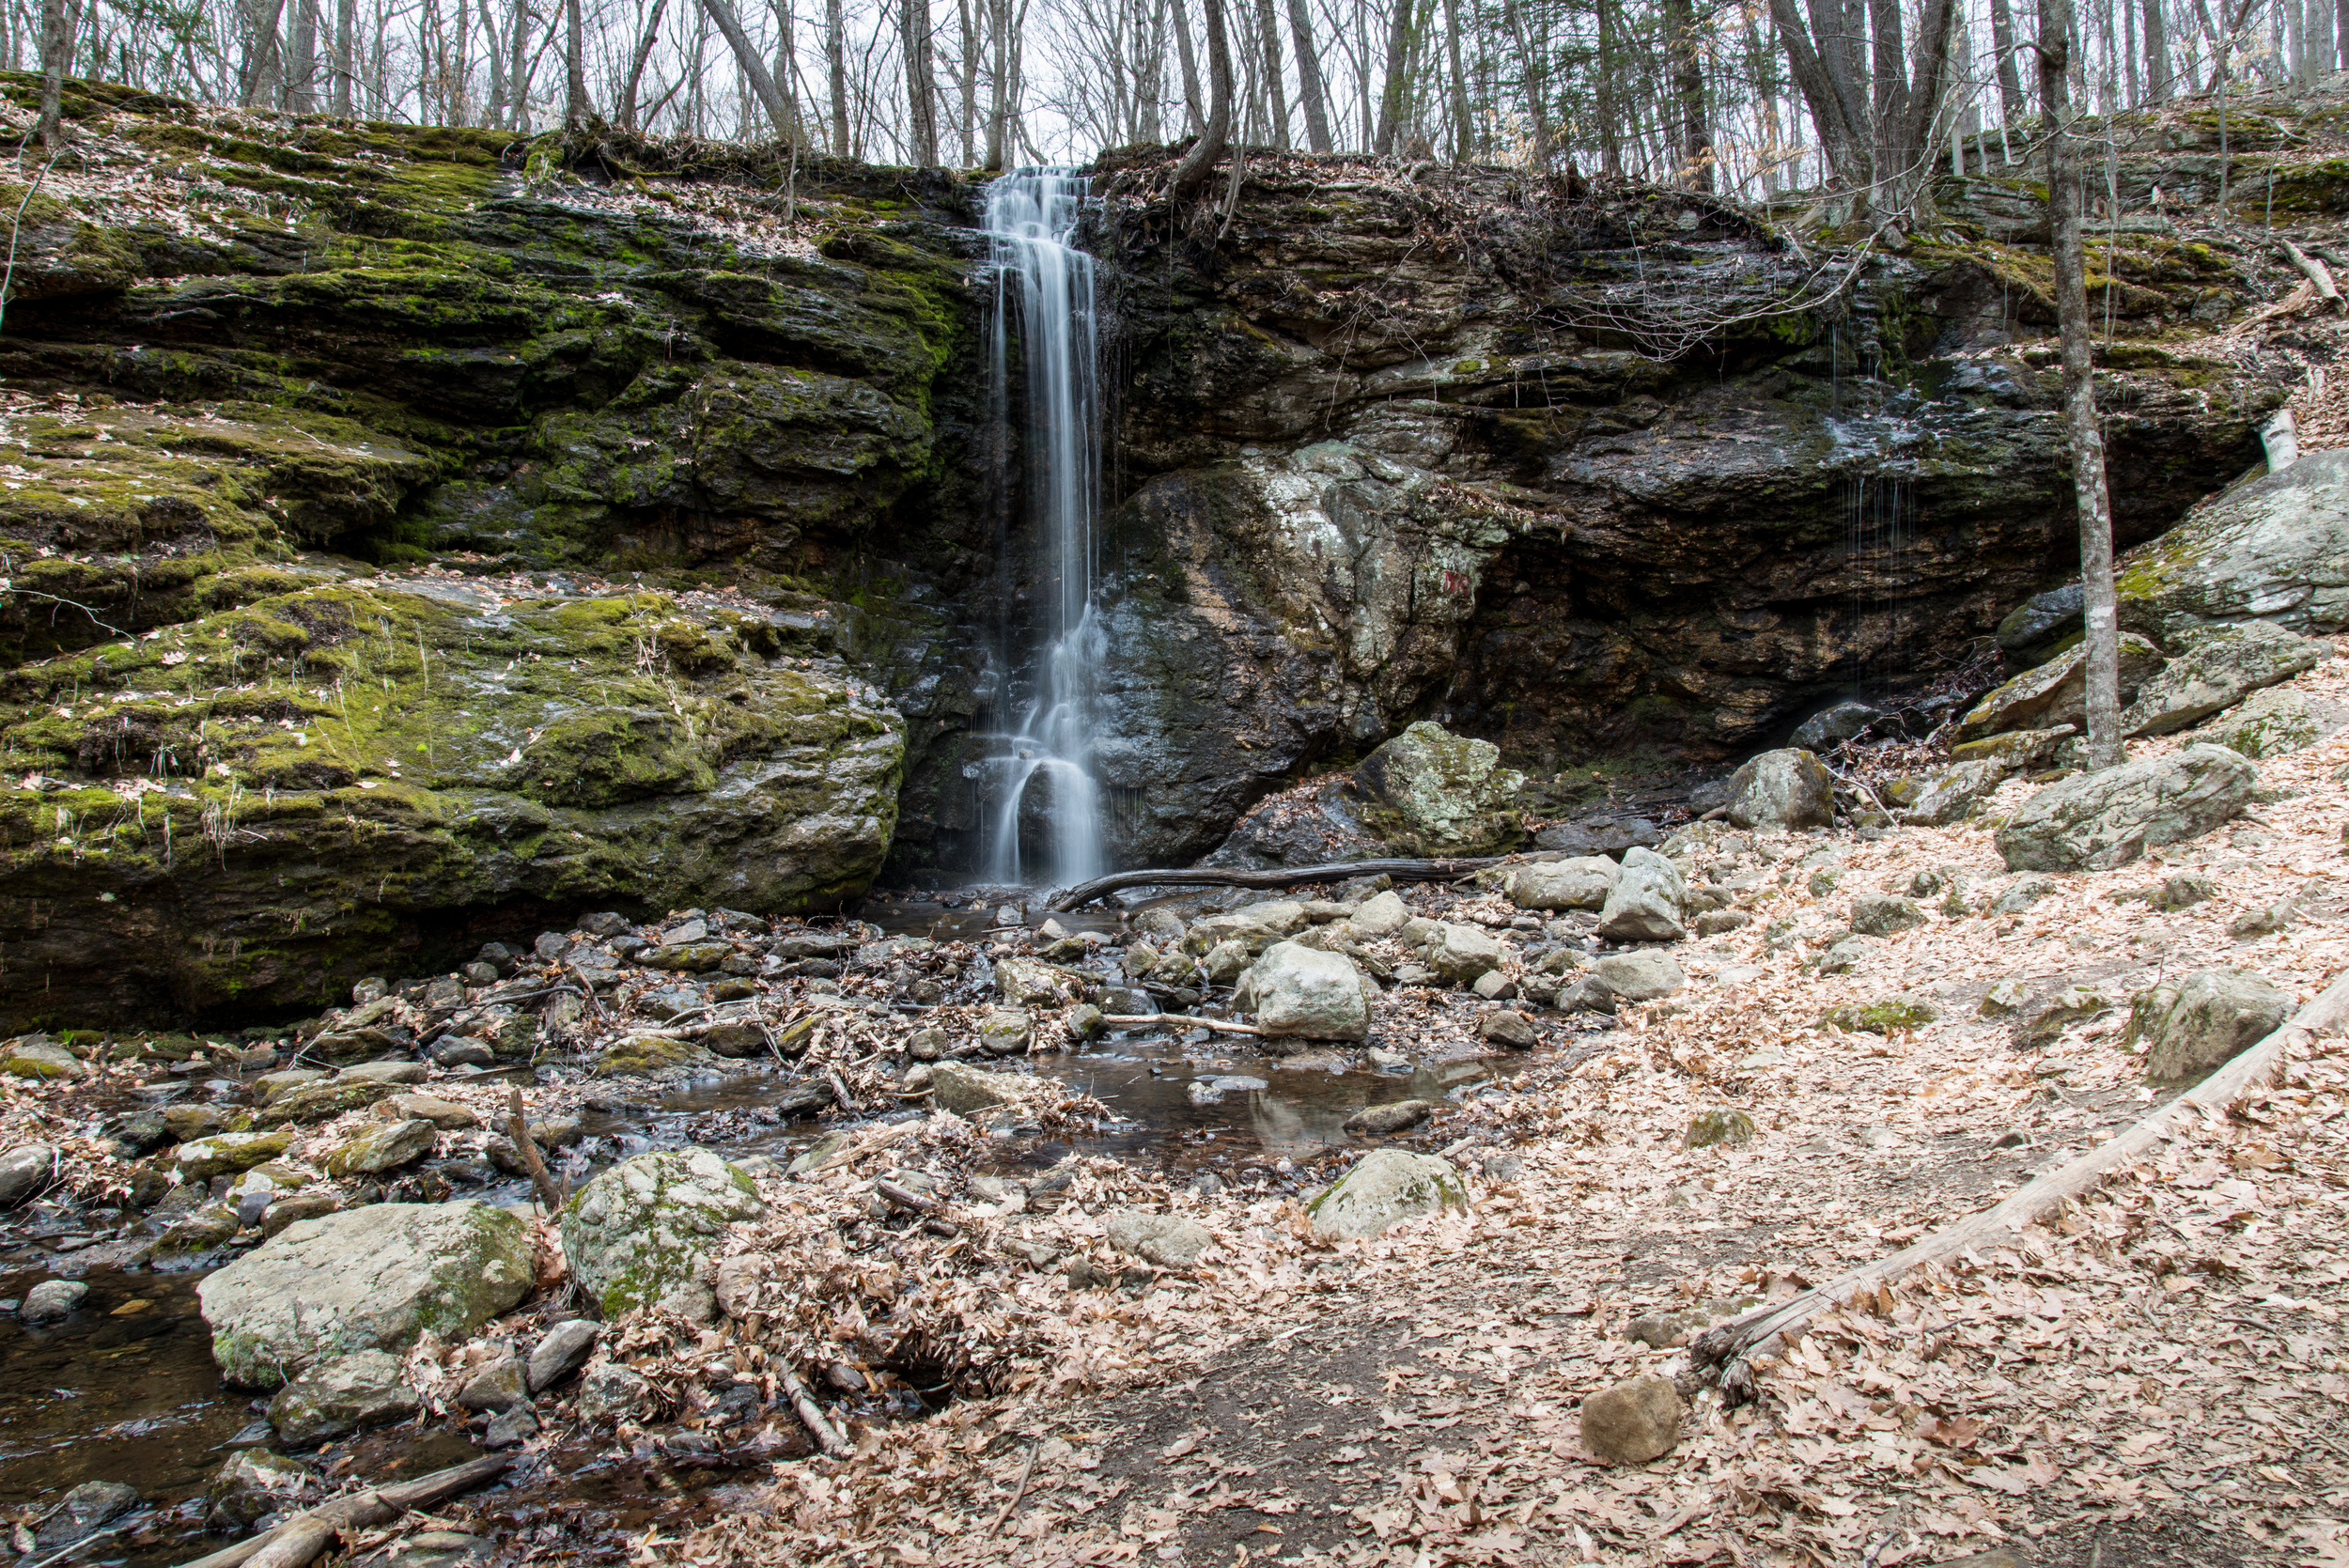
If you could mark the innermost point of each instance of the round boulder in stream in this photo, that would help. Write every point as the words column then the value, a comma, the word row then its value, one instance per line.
column 370, row 1279
column 638, row 1234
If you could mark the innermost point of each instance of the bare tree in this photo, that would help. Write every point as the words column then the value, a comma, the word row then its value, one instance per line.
column 999, row 80
column 56, row 45
column 754, row 69
column 921, row 82
column 575, row 107
column 1876, row 124
column 1313, row 97
column 1192, row 173
column 1687, row 75
column 2056, row 40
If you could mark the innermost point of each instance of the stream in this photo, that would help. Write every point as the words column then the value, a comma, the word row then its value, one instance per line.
column 126, row 1389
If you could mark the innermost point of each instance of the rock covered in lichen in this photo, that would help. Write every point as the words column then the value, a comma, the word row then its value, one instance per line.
column 642, row 1234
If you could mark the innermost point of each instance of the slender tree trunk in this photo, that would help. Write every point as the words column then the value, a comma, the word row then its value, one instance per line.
column 1463, row 128
column 2011, row 103
column 264, row 71
column 1536, row 78
column 1395, row 95
column 1687, row 74
column 575, row 108
column 967, row 81
column 2156, row 55
column 998, row 79
column 520, row 64
column 1311, row 94
column 1609, row 120
column 836, row 74
column 301, row 79
column 1199, row 163
column 1194, row 105
column 54, row 45
column 746, row 56
column 2055, row 41
column 624, row 112
column 1268, row 30
column 914, row 17
column 345, row 23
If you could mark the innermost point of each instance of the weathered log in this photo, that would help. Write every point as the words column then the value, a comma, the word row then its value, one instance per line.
column 1178, row 1020
column 517, row 1128
column 313, row 1531
column 1280, row 876
column 827, row 1438
column 1733, row 1345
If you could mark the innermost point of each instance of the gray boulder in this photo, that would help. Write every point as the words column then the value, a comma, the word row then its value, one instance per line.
column 1647, row 901
column 963, row 1089
column 1788, row 789
column 2205, row 1020
column 1296, row 991
column 2273, row 548
column 251, row 1485
column 1388, row 1186
column 1639, row 976
column 642, row 1234
column 2032, row 628
column 1953, row 793
column 2268, row 724
column 1580, row 883
column 52, row 1301
column 2216, row 669
column 380, row 1147
column 1381, row 914
column 1430, row 792
column 368, row 1278
column 1831, row 726
column 25, row 1170
column 1885, row 915
column 1463, row 954
column 562, row 1351
column 336, row 1398
column 1163, row 1239
column 2096, row 821
column 83, row 1512
column 2056, row 691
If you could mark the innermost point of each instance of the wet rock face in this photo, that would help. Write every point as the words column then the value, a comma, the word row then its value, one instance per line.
column 1383, row 473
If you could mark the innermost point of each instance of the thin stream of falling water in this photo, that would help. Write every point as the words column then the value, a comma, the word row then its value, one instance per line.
column 1048, row 283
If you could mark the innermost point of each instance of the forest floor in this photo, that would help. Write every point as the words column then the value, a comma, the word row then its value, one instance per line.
column 2156, row 1378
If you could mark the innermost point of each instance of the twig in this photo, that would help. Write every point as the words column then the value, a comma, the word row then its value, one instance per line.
column 517, row 1128
column 1019, row 1489
column 359, row 1511
column 827, row 1438
column 1182, row 1020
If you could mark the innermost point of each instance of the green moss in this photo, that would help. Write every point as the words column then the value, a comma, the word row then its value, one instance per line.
column 1894, row 1015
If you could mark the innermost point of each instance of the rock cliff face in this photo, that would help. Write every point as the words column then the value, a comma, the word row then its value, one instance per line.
column 401, row 525
column 1425, row 443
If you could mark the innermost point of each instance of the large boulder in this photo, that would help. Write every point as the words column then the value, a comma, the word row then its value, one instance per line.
column 2200, row 1024
column 2096, row 821
column 2268, row 724
column 368, row 1278
column 642, row 1235
column 2274, row 549
column 1648, row 900
column 1388, row 1186
column 657, row 748
column 2036, row 629
column 336, row 1398
column 2056, row 691
column 1464, row 954
column 1431, row 792
column 1639, row 976
column 2216, row 669
column 1295, row 990
column 1953, row 793
column 1786, row 788
column 1582, row 882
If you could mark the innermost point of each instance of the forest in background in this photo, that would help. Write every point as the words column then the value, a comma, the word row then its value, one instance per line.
column 1747, row 98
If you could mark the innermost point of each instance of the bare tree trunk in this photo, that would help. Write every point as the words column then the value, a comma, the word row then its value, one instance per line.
column 1687, row 73
column 264, row 70
column 1192, row 173
column 624, row 112
column 2011, row 103
column 754, row 69
column 1610, row 123
column 575, row 107
column 1463, row 129
column 1536, row 78
column 2156, row 55
column 914, row 17
column 301, row 79
column 967, row 81
column 2056, row 40
column 1194, row 105
column 345, row 23
column 836, row 74
column 1394, row 97
column 54, row 45
column 998, row 80
column 1270, row 30
column 1311, row 94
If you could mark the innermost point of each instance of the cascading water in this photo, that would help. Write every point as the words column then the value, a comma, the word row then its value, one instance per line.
column 1045, row 298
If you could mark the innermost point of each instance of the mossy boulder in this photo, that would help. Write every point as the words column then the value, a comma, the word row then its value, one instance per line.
column 1389, row 1186
column 368, row 1278
column 257, row 808
column 1431, row 792
column 2275, row 548
column 642, row 1234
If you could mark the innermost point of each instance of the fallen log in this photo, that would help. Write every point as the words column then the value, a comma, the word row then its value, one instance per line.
column 301, row 1539
column 1178, row 1020
column 1281, row 877
column 1735, row 1344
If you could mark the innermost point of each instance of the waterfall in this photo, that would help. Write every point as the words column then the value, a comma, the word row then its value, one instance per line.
column 1045, row 299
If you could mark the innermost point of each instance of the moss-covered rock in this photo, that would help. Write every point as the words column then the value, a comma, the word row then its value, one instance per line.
column 642, row 1234
column 256, row 809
